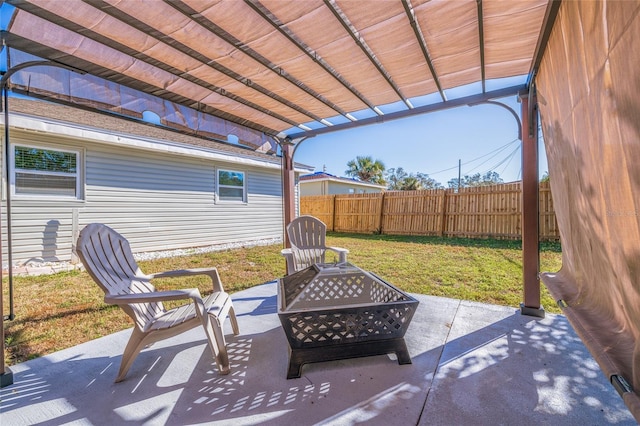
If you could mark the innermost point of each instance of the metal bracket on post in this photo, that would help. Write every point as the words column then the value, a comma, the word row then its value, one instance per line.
column 532, row 104
column 6, row 378
column 532, row 312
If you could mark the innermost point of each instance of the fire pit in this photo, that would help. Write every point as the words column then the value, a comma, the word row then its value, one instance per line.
column 330, row 312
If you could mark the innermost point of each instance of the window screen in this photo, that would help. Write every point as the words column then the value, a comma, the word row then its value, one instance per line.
column 231, row 185
column 39, row 171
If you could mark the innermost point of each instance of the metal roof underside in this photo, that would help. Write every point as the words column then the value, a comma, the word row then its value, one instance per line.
column 287, row 68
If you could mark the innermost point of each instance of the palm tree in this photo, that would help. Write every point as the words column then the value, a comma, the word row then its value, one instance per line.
column 366, row 170
column 410, row 183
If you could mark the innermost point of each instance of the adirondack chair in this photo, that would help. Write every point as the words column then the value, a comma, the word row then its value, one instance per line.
column 307, row 236
column 107, row 257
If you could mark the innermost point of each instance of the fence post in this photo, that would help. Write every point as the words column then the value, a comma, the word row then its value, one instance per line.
column 381, row 216
column 443, row 213
column 333, row 213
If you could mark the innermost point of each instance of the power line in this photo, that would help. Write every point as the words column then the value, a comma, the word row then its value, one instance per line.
column 500, row 148
column 511, row 158
column 497, row 149
column 507, row 160
column 496, row 153
column 441, row 171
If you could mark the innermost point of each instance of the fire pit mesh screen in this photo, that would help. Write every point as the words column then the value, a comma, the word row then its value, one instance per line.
column 326, row 305
column 336, row 286
column 341, row 327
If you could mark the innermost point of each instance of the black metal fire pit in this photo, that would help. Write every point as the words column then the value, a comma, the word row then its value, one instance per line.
column 331, row 312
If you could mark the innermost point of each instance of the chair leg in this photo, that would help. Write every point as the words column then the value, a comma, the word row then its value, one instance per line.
column 233, row 319
column 131, row 351
column 222, row 359
column 227, row 311
column 217, row 343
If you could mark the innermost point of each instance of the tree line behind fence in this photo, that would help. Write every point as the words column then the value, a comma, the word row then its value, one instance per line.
column 476, row 212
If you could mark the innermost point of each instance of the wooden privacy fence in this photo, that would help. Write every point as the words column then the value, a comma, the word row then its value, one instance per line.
column 478, row 212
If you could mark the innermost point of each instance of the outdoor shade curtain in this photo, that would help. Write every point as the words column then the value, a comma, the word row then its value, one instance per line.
column 588, row 89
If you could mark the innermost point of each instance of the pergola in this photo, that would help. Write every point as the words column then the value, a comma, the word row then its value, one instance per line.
column 276, row 72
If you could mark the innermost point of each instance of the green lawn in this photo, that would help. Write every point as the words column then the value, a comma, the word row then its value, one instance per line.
column 61, row 310
column 487, row 271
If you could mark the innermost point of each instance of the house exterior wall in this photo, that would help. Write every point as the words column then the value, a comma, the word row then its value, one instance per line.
column 349, row 188
column 159, row 201
column 331, row 187
column 313, row 188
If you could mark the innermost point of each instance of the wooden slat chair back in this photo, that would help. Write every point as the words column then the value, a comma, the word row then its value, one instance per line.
column 307, row 236
column 107, row 257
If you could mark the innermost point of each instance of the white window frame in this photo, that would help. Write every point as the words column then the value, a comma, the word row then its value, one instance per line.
column 221, row 199
column 79, row 193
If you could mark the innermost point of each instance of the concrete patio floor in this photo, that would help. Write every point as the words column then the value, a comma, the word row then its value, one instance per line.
column 472, row 364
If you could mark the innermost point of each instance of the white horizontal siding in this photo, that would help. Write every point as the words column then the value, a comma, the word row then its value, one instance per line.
column 40, row 230
column 157, row 201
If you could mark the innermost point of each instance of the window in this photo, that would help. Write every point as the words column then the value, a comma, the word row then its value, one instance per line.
column 41, row 171
column 231, row 186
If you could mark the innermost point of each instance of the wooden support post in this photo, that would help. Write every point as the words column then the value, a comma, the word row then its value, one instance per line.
column 288, row 190
column 530, row 216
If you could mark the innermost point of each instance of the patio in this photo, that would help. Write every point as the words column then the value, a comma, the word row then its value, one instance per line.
column 472, row 364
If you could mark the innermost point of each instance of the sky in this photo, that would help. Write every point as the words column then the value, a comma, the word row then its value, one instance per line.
column 483, row 137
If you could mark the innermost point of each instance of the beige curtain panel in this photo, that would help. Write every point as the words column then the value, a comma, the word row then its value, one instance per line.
column 588, row 89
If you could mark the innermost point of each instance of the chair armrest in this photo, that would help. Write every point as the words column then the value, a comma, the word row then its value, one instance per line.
column 288, row 257
column 210, row 272
column 342, row 253
column 156, row 296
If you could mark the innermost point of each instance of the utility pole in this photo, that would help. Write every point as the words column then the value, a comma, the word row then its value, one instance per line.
column 459, row 173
